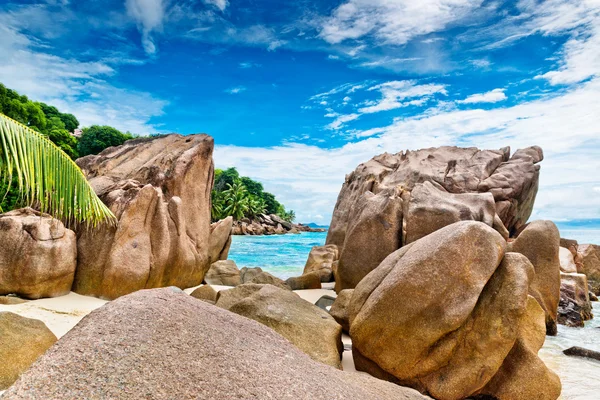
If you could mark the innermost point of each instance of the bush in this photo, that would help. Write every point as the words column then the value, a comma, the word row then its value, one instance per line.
column 97, row 138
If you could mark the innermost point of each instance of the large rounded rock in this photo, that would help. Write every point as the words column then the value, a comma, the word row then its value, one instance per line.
column 38, row 255
column 540, row 242
column 165, row 345
column 224, row 272
column 308, row 327
column 22, row 341
column 460, row 301
column 374, row 232
column 431, row 208
column 513, row 181
column 159, row 190
column 523, row 375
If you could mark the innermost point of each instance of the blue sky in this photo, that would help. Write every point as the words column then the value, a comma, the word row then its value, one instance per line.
column 297, row 94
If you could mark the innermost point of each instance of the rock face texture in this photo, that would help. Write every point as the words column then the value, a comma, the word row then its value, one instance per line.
column 444, row 313
column 305, row 325
column 574, row 307
column 540, row 242
column 522, row 374
column 312, row 280
column 590, row 264
column 166, row 345
column 220, row 239
column 405, row 196
column 339, row 309
column 159, row 190
column 38, row 255
column 224, row 272
column 567, row 261
column 22, row 341
column 322, row 259
column 374, row 231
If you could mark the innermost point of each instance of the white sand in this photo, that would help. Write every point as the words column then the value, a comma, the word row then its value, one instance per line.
column 60, row 314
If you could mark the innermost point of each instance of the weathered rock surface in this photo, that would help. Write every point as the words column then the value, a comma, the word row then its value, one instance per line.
column 540, row 242
column 574, row 307
column 38, row 255
column 567, row 261
column 436, row 187
column 205, row 292
column 431, row 208
column 339, row 309
column 22, row 341
column 311, row 280
column 322, row 260
column 159, row 190
column 220, row 239
column 452, row 345
column 513, row 181
column 522, row 374
column 258, row 276
column 167, row 345
column 305, row 325
column 590, row 261
column 374, row 231
column 224, row 272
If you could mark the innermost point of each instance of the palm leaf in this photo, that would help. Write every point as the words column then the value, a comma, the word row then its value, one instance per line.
column 46, row 177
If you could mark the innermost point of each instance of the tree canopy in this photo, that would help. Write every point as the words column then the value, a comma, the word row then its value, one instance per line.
column 41, row 118
column 242, row 197
column 97, row 138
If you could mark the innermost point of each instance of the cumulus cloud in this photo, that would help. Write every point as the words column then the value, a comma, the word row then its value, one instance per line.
column 492, row 96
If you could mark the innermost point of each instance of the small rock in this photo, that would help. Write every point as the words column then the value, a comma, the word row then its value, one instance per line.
column 312, row 280
column 205, row 292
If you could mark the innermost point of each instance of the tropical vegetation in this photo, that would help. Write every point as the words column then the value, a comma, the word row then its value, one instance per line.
column 45, row 176
column 242, row 197
column 56, row 126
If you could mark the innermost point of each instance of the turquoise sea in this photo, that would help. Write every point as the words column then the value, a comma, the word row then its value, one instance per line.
column 285, row 255
column 281, row 255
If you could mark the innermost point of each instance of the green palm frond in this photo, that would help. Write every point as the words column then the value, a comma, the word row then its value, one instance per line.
column 46, row 177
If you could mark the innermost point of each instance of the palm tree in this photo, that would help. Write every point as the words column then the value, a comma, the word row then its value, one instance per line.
column 217, row 205
column 46, row 177
column 256, row 206
column 236, row 199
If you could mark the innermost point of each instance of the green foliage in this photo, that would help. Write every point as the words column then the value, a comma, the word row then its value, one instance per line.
column 41, row 118
column 243, row 197
column 97, row 138
column 236, row 200
column 45, row 176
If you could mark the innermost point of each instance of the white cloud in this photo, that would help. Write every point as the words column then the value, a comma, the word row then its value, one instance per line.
column 341, row 120
column 291, row 171
column 248, row 65
column 73, row 86
column 149, row 16
column 220, row 4
column 394, row 92
column 393, row 22
column 236, row 90
column 492, row 96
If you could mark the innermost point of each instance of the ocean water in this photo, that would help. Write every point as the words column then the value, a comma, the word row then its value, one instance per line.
column 285, row 255
column 281, row 255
